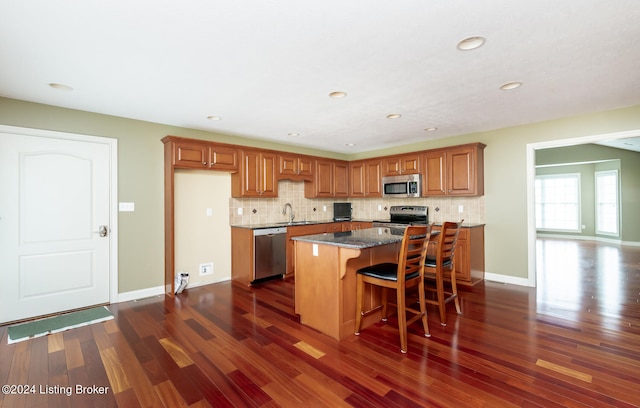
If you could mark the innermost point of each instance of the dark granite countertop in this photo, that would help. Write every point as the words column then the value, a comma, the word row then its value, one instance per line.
column 286, row 224
column 358, row 239
column 298, row 223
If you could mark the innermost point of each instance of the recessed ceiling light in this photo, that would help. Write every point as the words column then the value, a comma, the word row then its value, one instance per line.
column 471, row 43
column 511, row 85
column 431, row 129
column 349, row 144
column 293, row 134
column 212, row 117
column 338, row 94
column 393, row 116
column 60, row 87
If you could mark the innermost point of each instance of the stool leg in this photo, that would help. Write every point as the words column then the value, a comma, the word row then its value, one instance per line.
column 402, row 318
column 359, row 302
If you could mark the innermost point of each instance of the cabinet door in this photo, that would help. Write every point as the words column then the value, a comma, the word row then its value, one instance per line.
column 257, row 175
column 433, row 182
column 324, row 179
column 373, row 178
column 267, row 174
column 397, row 165
column 190, row 154
column 293, row 167
column 410, row 164
column 341, row 179
column 461, row 171
column 357, row 179
column 305, row 167
column 223, row 158
column 288, row 165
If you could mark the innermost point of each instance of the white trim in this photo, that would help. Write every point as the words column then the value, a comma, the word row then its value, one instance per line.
column 140, row 294
column 157, row 290
column 113, row 190
column 591, row 238
column 509, row 280
column 531, row 171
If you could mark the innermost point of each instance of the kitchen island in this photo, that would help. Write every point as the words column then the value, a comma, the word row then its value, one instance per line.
column 325, row 283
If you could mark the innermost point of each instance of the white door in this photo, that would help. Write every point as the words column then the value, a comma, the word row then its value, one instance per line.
column 54, row 224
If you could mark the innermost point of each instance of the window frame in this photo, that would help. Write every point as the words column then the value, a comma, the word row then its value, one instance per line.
column 617, row 203
column 577, row 177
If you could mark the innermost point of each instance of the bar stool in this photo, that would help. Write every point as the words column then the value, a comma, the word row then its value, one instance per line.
column 443, row 263
column 407, row 273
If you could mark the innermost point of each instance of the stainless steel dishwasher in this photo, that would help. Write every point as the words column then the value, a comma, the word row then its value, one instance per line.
column 270, row 253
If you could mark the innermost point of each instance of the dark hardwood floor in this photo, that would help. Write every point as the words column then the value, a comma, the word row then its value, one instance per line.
column 573, row 342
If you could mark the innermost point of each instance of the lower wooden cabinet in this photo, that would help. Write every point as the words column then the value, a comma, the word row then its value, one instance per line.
column 299, row 230
column 469, row 257
column 296, row 231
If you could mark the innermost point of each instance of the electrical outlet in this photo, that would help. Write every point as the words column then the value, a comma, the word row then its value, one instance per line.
column 379, row 207
column 206, row 269
column 209, row 212
column 239, row 210
column 324, row 208
column 460, row 208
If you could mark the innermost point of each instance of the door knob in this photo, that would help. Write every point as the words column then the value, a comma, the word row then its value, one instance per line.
column 103, row 230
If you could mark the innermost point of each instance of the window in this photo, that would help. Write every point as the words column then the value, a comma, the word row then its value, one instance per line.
column 607, row 202
column 558, row 202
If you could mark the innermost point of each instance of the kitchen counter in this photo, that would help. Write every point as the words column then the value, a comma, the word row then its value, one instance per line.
column 298, row 223
column 359, row 239
column 294, row 224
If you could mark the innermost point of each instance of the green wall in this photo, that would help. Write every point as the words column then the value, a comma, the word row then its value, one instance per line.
column 140, row 168
column 603, row 158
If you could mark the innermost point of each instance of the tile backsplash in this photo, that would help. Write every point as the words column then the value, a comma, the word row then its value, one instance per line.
column 269, row 210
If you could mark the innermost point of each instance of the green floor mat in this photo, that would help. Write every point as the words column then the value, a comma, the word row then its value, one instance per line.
column 55, row 324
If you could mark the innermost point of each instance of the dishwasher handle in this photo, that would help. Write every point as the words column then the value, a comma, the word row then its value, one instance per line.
column 269, row 231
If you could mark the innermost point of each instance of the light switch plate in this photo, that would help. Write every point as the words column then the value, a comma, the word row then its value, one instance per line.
column 126, row 207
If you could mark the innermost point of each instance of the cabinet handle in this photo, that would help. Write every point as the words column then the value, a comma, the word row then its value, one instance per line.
column 204, row 162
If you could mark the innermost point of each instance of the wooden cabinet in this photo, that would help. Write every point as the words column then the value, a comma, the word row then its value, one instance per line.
column 190, row 154
column 331, row 179
column 356, row 225
column 469, row 257
column 242, row 251
column 338, row 226
column 457, row 171
column 256, row 176
column 296, row 231
column 223, row 158
column 365, row 178
column 292, row 167
column 404, row 164
column 204, row 155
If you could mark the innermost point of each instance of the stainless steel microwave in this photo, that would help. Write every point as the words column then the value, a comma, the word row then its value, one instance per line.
column 408, row 185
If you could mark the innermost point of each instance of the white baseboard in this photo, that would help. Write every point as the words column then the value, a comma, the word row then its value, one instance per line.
column 140, row 294
column 590, row 238
column 155, row 291
column 511, row 280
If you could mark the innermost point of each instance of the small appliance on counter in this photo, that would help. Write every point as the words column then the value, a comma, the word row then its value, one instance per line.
column 342, row 211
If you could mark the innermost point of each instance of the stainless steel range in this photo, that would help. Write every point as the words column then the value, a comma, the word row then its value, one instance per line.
column 403, row 215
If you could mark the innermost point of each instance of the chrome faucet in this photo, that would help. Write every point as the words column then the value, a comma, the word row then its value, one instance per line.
column 291, row 214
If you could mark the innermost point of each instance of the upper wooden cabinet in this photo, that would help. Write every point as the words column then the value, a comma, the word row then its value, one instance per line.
column 365, row 178
column 456, row 171
column 257, row 175
column 404, row 164
column 293, row 167
column 331, row 179
column 187, row 153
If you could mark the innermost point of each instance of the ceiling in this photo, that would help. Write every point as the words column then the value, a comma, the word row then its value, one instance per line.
column 265, row 68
